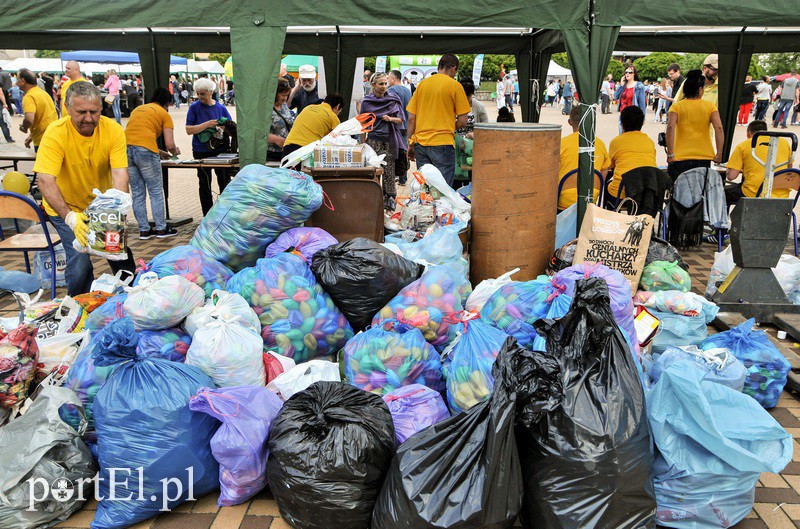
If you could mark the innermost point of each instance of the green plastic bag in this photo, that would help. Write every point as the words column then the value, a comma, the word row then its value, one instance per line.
column 665, row 275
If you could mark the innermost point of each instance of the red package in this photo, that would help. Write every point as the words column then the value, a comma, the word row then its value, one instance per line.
column 18, row 356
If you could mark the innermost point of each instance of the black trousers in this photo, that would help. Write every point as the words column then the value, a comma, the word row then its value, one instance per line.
column 204, row 176
column 675, row 169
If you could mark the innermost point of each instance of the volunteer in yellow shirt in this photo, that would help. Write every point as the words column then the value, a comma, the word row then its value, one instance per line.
column 73, row 72
column 146, row 124
column 78, row 153
column 569, row 160
column 438, row 107
column 37, row 106
column 688, row 142
column 710, row 81
column 314, row 123
column 742, row 162
column 631, row 149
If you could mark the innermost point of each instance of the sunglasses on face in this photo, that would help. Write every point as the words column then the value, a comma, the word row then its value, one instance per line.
column 626, row 73
column 711, row 68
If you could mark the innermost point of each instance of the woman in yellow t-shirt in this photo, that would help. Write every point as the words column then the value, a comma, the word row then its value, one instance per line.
column 688, row 139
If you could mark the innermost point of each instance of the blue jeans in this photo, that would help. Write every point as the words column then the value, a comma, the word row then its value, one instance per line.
column 144, row 170
column 18, row 103
column 4, row 128
column 443, row 157
column 115, row 109
column 567, row 104
column 176, row 97
column 784, row 107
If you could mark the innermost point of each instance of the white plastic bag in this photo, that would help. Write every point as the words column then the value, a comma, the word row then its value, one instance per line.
column 222, row 305
column 301, row 376
column 112, row 284
column 156, row 304
column 723, row 265
column 481, row 293
column 353, row 126
column 57, row 354
column 787, row 272
column 107, row 214
column 433, row 177
column 229, row 353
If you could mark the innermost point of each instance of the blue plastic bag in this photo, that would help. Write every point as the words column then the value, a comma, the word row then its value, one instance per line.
column 719, row 364
column 304, row 242
column 443, row 245
column 566, row 225
column 469, row 370
column 112, row 309
column 767, row 368
column 413, row 409
column 143, row 421
column 677, row 330
column 713, row 443
column 257, row 206
column 170, row 344
column 240, row 443
column 514, row 308
column 190, row 263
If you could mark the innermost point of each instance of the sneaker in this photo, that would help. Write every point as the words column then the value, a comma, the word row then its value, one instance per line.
column 714, row 240
column 144, row 235
column 163, row 234
column 11, row 141
column 784, row 127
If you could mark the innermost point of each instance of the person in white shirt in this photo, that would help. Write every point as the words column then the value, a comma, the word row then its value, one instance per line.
column 763, row 97
column 500, row 94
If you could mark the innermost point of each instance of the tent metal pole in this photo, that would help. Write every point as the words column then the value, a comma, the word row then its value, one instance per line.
column 154, row 53
column 338, row 60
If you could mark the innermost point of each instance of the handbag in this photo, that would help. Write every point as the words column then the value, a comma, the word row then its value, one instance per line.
column 110, row 99
column 685, row 225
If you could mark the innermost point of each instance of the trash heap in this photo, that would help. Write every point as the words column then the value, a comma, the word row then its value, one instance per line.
column 370, row 385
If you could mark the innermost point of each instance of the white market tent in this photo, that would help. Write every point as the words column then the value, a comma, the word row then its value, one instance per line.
column 35, row 65
column 554, row 70
column 211, row 67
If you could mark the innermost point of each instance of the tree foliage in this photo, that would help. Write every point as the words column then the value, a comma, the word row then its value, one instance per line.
column 560, row 59
column 779, row 63
column 48, row 54
column 615, row 69
column 654, row 66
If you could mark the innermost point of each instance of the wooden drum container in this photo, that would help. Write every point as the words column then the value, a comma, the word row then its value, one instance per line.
column 514, row 198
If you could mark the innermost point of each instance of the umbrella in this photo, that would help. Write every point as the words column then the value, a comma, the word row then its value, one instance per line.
column 782, row 77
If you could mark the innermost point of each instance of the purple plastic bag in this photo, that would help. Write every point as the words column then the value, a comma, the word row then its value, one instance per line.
column 301, row 241
column 619, row 291
column 414, row 408
column 172, row 344
column 240, row 443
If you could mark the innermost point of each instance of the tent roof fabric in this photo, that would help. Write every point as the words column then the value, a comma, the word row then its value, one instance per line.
column 555, row 69
column 112, row 57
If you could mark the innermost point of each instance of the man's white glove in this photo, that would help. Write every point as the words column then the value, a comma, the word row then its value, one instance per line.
column 77, row 223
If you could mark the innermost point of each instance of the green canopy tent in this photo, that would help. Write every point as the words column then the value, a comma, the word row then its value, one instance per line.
column 294, row 62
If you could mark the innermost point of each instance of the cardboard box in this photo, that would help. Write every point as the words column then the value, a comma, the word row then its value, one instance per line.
column 335, row 156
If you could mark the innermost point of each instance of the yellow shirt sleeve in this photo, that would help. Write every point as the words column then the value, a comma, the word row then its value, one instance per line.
column 736, row 160
column 412, row 104
column 168, row 124
column 118, row 157
column 28, row 104
column 462, row 103
column 50, row 156
column 602, row 160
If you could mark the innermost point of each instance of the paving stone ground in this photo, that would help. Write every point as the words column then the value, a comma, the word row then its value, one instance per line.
column 777, row 496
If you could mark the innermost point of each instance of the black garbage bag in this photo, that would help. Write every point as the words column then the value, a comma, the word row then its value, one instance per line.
column 361, row 276
column 562, row 258
column 329, row 450
column 661, row 250
column 587, row 463
column 464, row 472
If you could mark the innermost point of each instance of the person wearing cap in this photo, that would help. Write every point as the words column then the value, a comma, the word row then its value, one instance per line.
column 305, row 92
column 711, row 86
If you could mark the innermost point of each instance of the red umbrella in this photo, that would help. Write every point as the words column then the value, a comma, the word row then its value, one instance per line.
column 782, row 77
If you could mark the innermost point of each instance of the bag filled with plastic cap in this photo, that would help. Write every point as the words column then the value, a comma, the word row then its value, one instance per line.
column 302, row 241
column 767, row 368
column 189, row 263
column 57, row 354
column 228, row 353
column 111, row 310
column 514, row 308
column 661, row 250
column 414, row 408
column 587, row 462
column 484, row 290
column 713, row 443
column 619, row 291
column 257, row 206
column 665, row 275
column 442, row 245
column 678, row 331
column 222, row 305
column 463, row 472
column 143, row 420
column 470, row 364
column 162, row 303
column 298, row 378
column 40, row 450
column 240, row 443
column 169, row 344
column 298, row 319
column 329, row 450
column 677, row 302
column 381, row 361
column 428, row 304
column 107, row 236
column 19, row 354
column 361, row 276
column 719, row 364
column 562, row 258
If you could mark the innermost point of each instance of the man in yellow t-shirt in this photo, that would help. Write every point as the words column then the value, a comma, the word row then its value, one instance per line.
column 631, row 149
column 569, row 159
column 711, row 76
column 78, row 153
column 438, row 107
column 742, row 162
column 73, row 71
column 314, row 123
column 37, row 106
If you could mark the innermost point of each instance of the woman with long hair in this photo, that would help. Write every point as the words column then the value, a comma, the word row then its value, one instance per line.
column 282, row 120
column 630, row 91
column 113, row 85
column 664, row 90
column 385, row 137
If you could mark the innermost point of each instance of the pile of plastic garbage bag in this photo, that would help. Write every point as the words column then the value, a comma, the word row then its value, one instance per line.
column 371, row 385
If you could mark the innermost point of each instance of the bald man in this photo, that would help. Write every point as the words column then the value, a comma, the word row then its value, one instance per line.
column 73, row 71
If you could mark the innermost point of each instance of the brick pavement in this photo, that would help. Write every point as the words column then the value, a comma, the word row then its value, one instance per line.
column 777, row 496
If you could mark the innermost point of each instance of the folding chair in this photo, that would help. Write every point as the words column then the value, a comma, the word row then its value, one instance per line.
column 787, row 179
column 662, row 212
column 19, row 207
column 572, row 179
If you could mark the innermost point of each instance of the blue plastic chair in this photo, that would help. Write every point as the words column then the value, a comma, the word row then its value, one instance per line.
column 787, row 179
column 600, row 183
column 16, row 206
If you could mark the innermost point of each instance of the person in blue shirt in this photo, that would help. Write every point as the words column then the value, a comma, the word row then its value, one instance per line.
column 16, row 95
column 203, row 114
column 396, row 87
column 516, row 90
column 567, row 97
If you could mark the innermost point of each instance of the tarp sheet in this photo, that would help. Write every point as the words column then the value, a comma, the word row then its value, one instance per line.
column 113, row 57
